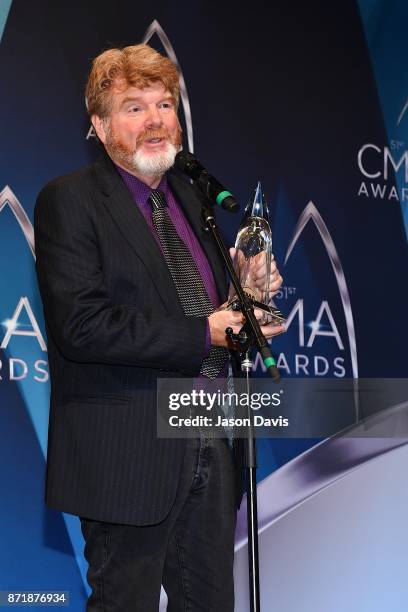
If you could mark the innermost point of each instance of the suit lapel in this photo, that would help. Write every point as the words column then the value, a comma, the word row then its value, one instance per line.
column 191, row 205
column 126, row 214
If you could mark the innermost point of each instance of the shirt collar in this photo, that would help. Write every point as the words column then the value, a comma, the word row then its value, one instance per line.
column 140, row 191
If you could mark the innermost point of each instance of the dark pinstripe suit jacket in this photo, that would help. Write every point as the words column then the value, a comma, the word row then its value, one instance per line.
column 114, row 324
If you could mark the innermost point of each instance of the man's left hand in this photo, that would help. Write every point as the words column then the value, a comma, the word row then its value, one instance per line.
column 259, row 273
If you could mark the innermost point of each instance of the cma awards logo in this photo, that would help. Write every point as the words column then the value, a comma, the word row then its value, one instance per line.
column 21, row 322
column 384, row 169
column 323, row 323
column 155, row 28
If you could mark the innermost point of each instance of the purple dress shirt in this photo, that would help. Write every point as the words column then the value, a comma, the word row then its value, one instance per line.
column 141, row 192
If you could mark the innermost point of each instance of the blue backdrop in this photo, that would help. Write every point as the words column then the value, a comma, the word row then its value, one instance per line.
column 309, row 98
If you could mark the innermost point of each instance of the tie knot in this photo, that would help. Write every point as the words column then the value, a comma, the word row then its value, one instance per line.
column 157, row 200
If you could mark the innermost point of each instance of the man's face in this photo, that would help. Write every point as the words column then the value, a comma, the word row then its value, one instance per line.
column 142, row 133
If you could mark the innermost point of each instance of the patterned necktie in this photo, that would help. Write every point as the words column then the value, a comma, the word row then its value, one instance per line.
column 186, row 277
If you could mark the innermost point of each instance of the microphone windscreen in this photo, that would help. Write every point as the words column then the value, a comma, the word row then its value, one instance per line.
column 187, row 163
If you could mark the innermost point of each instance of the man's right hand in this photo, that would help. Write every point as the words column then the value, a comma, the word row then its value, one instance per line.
column 219, row 321
column 222, row 318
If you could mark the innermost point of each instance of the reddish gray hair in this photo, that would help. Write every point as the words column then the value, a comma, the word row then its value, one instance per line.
column 134, row 66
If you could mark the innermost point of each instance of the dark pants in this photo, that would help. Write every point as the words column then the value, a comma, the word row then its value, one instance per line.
column 191, row 552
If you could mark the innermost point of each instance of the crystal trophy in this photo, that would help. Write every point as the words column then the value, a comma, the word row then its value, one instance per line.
column 253, row 258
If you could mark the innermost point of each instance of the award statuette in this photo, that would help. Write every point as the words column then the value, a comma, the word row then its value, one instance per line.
column 253, row 258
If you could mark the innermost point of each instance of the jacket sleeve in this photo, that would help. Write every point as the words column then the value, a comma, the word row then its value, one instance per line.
column 84, row 323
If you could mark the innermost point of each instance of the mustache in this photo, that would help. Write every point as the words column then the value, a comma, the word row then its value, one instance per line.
column 147, row 134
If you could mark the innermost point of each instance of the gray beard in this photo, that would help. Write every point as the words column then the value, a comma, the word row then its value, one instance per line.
column 156, row 163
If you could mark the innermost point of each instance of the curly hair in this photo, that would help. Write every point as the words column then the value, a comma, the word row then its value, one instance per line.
column 133, row 66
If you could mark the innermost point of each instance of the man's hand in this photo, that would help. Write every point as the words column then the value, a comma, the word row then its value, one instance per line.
column 222, row 318
column 260, row 275
column 219, row 321
column 256, row 273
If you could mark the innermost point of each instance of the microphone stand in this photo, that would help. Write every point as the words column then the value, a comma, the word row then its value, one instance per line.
column 250, row 335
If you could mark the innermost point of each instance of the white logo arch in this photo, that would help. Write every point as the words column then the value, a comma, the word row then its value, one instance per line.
column 311, row 213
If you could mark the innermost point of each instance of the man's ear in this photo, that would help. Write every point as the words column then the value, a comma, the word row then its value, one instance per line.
column 100, row 127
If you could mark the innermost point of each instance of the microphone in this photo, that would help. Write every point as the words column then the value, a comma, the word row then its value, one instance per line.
column 186, row 162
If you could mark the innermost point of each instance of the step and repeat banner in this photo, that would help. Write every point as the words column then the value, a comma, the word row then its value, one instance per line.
column 312, row 100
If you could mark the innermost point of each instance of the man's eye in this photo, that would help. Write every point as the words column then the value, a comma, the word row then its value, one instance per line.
column 134, row 109
column 166, row 105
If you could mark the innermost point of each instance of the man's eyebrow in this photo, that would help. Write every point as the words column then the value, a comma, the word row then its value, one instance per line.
column 130, row 99
column 139, row 100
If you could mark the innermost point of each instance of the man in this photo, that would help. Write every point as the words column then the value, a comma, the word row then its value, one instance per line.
column 117, row 319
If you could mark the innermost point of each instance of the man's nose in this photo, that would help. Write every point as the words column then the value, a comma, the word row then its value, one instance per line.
column 153, row 118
